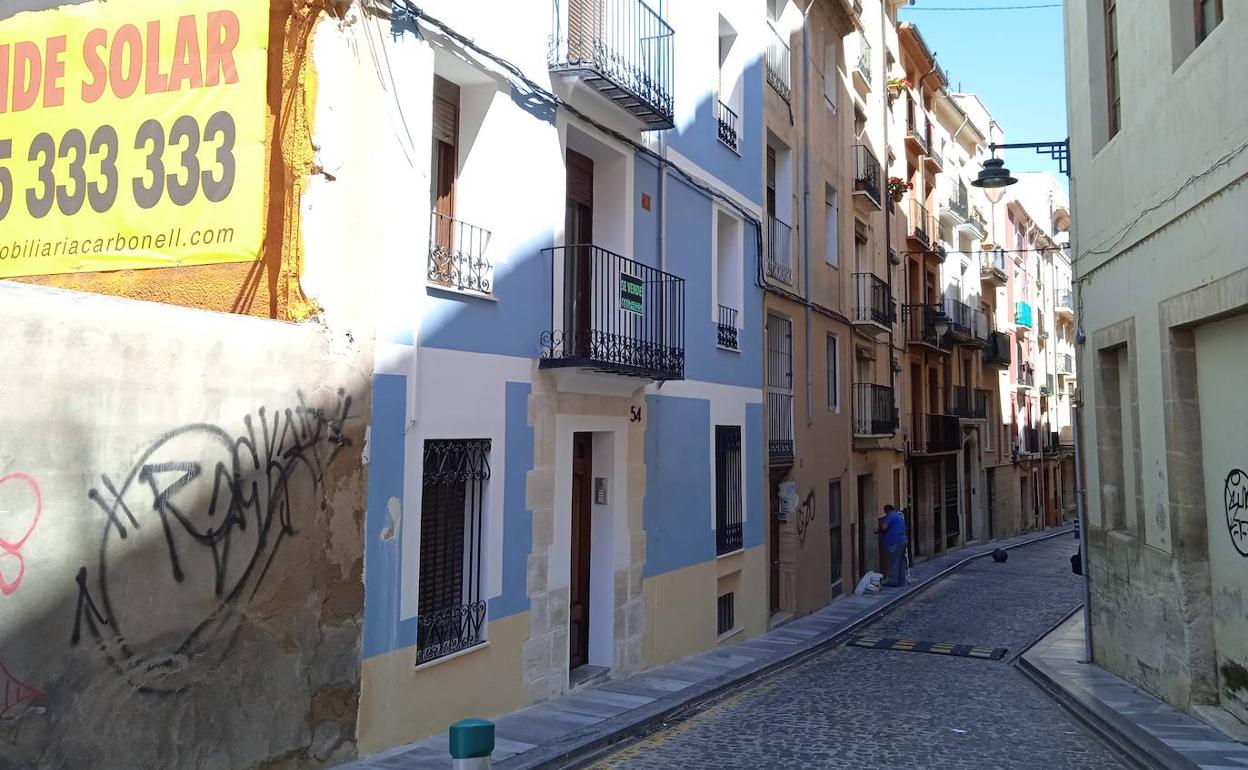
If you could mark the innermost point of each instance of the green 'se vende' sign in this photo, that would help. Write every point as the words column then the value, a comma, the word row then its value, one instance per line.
column 632, row 297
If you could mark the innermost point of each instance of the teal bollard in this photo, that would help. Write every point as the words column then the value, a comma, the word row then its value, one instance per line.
column 472, row 743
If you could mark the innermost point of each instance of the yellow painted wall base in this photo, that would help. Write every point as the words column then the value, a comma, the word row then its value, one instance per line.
column 399, row 704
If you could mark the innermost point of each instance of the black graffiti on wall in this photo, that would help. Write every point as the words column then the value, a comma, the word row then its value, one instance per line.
column 1235, row 494
column 190, row 532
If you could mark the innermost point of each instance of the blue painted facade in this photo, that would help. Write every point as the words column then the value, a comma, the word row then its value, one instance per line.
column 506, row 328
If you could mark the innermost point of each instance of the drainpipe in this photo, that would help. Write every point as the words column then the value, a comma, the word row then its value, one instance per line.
column 1076, row 419
column 810, row 370
column 663, row 202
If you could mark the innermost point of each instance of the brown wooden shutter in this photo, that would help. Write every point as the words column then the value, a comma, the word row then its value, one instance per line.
column 580, row 179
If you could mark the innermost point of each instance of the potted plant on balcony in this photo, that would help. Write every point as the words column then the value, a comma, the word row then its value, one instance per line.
column 898, row 187
column 896, row 84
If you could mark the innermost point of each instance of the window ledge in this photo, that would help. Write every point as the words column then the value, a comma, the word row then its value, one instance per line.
column 734, row 150
column 725, row 347
column 729, row 634
column 452, row 656
column 730, row 554
column 460, row 292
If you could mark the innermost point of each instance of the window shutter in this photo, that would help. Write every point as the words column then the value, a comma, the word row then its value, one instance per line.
column 580, row 179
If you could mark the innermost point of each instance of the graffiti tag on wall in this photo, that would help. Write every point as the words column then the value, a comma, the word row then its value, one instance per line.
column 16, row 527
column 13, row 691
column 1235, row 493
column 191, row 531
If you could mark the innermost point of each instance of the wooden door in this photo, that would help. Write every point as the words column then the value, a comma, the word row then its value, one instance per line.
column 445, row 167
column 582, row 491
column 578, row 236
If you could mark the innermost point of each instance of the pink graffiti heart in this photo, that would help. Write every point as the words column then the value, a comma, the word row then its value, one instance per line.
column 11, row 550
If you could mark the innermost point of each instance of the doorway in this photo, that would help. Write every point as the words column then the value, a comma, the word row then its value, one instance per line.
column 578, row 238
column 582, row 538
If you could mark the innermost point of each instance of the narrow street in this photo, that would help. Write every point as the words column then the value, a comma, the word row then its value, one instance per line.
column 872, row 708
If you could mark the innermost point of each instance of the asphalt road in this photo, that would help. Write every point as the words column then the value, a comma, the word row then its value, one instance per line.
column 871, row 708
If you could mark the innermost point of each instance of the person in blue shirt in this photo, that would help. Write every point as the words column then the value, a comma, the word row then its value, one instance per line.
column 892, row 527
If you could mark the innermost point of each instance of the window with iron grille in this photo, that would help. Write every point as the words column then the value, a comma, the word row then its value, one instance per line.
column 727, row 489
column 725, row 613
column 451, row 611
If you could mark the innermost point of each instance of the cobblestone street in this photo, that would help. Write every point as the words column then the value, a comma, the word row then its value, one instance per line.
column 869, row 708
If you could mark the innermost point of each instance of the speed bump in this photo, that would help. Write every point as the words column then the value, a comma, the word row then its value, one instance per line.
column 935, row 648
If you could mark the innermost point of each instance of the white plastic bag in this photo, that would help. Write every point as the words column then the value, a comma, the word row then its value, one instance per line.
column 870, row 582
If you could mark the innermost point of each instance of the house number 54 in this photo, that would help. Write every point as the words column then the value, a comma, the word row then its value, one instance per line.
column 635, row 414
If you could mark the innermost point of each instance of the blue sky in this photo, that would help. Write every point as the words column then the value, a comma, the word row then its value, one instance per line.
column 1020, row 75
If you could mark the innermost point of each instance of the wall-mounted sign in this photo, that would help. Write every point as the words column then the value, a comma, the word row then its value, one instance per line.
column 632, row 294
column 132, row 135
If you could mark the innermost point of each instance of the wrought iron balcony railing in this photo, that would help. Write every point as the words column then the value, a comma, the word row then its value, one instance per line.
column 779, row 68
column 874, row 410
column 728, row 506
column 1065, row 363
column 969, row 403
column 623, row 49
column 873, row 300
column 457, row 255
column 1026, row 375
column 867, row 173
column 726, row 328
column 780, row 428
column 959, row 201
column 997, row 353
column 448, row 631
column 961, row 319
column 613, row 314
column 992, row 266
column 920, row 221
column 1029, row 441
column 864, row 58
column 728, row 122
column 920, row 323
column 932, row 433
column 779, row 250
column 1065, row 302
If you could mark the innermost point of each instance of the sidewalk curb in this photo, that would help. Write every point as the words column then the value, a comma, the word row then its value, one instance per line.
column 1124, row 737
column 578, row 750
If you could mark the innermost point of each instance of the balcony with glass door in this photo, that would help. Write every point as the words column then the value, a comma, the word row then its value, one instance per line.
column 622, row 49
column 992, row 267
column 934, row 433
column 615, row 315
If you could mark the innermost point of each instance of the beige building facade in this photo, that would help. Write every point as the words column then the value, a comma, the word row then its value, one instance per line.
column 1159, row 140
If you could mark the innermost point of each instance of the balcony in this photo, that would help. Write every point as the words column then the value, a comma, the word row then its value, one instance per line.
column 978, row 223
column 961, row 320
column 621, row 48
column 983, row 327
column 935, row 433
column 932, row 159
column 780, row 429
column 959, row 202
column 612, row 314
column 969, row 403
column 916, row 136
column 874, row 305
column 1064, row 307
column 457, row 256
column 1022, row 315
column 726, row 328
column 862, row 71
column 779, row 68
column 920, row 323
column 1065, row 365
column 728, row 126
column 779, row 250
column 874, row 413
column 992, row 267
column 1052, row 443
column 1029, row 441
column 919, row 223
column 1026, row 377
column 997, row 352
column 867, row 175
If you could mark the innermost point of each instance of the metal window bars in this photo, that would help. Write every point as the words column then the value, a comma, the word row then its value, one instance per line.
column 726, row 328
column 864, row 57
column 625, row 50
column 614, row 314
column 728, row 122
column 457, row 255
column 920, row 222
column 451, row 611
column 728, row 508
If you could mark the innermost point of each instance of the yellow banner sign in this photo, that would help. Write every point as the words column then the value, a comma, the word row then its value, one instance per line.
column 132, row 135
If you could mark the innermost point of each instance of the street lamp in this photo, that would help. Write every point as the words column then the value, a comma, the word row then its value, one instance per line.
column 993, row 179
column 941, row 324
